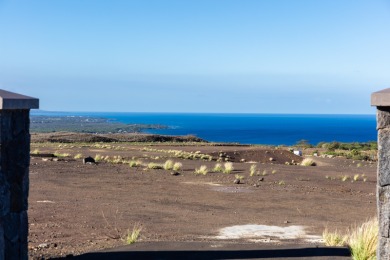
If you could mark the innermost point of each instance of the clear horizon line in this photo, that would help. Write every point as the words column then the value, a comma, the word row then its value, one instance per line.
column 254, row 113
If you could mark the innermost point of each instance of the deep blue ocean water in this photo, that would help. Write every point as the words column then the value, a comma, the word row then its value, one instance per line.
column 274, row 129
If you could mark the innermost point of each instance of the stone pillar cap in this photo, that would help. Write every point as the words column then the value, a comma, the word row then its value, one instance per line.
column 381, row 98
column 10, row 100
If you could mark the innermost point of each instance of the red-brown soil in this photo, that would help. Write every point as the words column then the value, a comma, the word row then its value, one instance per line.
column 76, row 208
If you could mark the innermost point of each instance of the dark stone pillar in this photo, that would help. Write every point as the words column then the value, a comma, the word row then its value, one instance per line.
column 381, row 100
column 14, row 173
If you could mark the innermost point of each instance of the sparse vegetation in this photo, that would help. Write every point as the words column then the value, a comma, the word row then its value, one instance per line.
column 58, row 154
column 362, row 240
column 98, row 158
column 333, row 238
column 132, row 236
column 308, row 162
column 281, row 183
column 168, row 165
column 177, row 166
column 78, row 156
column 228, row 167
column 201, row 170
column 135, row 163
column 155, row 166
column 239, row 177
column 181, row 154
column 252, row 170
column 35, row 151
column 218, row 168
column 356, row 151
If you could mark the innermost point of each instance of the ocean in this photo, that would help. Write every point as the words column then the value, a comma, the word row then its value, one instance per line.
column 272, row 129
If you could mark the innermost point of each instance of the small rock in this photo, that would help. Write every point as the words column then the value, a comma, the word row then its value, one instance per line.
column 55, row 159
column 261, row 179
column 237, row 181
column 256, row 185
column 43, row 245
column 242, row 160
column 286, row 222
column 88, row 159
column 174, row 173
column 271, row 159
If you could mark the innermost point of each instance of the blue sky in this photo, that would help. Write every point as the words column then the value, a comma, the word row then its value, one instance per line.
column 252, row 56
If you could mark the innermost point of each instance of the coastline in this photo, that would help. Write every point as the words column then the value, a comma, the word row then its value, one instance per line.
column 268, row 129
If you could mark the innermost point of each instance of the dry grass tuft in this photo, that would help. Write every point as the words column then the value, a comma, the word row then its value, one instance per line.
column 308, row 162
column 202, row 170
column 228, row 168
column 362, row 240
column 333, row 238
column 78, row 156
column 132, row 237
column 218, row 168
column 177, row 166
column 252, row 170
column 168, row 165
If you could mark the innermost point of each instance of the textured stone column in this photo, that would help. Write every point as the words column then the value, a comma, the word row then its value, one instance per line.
column 14, row 171
column 381, row 100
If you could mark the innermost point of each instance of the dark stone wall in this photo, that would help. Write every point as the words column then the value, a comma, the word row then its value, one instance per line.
column 14, row 183
column 383, row 186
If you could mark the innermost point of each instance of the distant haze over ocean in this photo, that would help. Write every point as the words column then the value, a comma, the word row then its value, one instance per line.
column 273, row 129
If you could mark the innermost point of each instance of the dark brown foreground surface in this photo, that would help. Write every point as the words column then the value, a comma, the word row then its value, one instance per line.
column 77, row 208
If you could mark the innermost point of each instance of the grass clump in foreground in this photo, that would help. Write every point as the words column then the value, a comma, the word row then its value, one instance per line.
column 132, row 237
column 202, row 170
column 308, row 162
column 361, row 240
